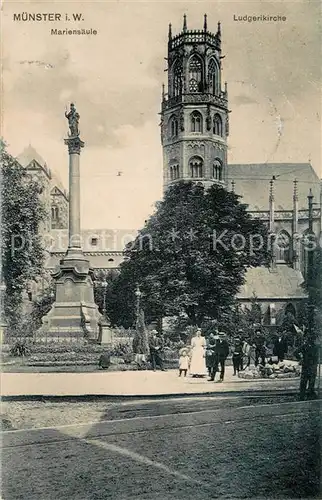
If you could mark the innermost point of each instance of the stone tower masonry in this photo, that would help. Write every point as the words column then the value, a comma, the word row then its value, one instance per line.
column 194, row 112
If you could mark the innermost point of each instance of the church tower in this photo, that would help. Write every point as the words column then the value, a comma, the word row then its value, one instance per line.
column 194, row 113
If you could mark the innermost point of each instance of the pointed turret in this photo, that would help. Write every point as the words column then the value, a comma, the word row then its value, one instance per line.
column 205, row 23
column 184, row 22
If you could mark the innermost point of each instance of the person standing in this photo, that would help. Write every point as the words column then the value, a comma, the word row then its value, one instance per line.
column 308, row 353
column 280, row 348
column 222, row 351
column 198, row 355
column 183, row 362
column 156, row 348
column 237, row 355
column 211, row 355
column 260, row 352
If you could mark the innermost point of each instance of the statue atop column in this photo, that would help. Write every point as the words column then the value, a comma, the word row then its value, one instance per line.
column 73, row 119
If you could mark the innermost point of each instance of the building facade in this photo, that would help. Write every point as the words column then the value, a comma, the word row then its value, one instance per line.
column 194, row 135
column 194, row 110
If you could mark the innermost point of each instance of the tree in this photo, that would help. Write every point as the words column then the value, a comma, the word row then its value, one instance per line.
column 22, row 213
column 191, row 256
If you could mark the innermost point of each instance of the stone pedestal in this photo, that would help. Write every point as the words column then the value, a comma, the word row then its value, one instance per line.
column 74, row 313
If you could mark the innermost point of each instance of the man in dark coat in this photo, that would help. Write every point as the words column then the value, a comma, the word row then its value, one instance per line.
column 280, row 347
column 156, row 349
column 222, row 351
column 237, row 355
column 308, row 353
column 260, row 352
column 211, row 355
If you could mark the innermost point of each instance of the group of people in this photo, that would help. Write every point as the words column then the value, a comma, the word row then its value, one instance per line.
column 205, row 357
column 209, row 356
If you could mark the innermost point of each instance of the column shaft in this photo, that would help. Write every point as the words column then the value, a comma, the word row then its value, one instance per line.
column 74, row 240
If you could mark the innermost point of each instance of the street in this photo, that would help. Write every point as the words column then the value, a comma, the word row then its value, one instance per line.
column 193, row 448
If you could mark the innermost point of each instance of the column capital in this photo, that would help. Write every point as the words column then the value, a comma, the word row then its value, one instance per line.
column 74, row 145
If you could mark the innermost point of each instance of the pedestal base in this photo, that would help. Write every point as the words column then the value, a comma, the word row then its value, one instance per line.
column 74, row 313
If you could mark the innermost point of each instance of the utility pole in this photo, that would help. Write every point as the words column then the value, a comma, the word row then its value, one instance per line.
column 310, row 269
column 310, row 349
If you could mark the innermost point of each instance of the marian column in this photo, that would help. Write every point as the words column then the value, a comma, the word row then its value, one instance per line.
column 74, row 313
column 74, row 144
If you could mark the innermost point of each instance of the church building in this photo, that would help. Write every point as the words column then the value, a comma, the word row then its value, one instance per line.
column 194, row 134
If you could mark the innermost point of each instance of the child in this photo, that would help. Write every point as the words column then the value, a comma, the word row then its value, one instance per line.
column 183, row 362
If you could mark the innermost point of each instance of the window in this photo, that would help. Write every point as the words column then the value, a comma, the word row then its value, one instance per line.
column 94, row 241
column 283, row 247
column 213, row 80
column 217, row 125
column 174, row 172
column 177, row 79
column 196, row 122
column 196, row 167
column 217, row 170
column 174, row 127
column 54, row 213
column 195, row 74
column 110, row 260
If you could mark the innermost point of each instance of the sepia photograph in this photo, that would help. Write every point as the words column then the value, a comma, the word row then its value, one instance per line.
column 161, row 250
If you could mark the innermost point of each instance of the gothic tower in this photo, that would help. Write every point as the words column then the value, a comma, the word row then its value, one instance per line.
column 194, row 113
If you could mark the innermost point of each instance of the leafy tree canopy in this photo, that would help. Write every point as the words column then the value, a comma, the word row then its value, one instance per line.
column 191, row 256
column 22, row 213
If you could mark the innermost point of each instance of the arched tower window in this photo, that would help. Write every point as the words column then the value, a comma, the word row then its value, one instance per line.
column 217, row 125
column 177, row 79
column 283, row 247
column 213, row 77
column 196, row 167
column 174, row 171
column 196, row 121
column 54, row 213
column 174, row 127
column 195, row 74
column 217, row 172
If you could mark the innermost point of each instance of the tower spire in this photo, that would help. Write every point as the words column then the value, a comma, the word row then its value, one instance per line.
column 205, row 23
column 219, row 30
column 170, row 31
column 184, row 22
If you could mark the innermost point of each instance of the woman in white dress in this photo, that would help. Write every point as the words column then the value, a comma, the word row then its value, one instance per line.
column 198, row 352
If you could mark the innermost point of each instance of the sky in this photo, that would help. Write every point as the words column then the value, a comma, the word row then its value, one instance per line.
column 273, row 70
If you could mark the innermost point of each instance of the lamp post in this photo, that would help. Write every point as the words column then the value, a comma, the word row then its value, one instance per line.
column 104, row 286
column 310, row 265
column 138, row 295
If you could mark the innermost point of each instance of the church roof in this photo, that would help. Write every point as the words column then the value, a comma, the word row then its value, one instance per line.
column 252, row 183
column 28, row 155
column 283, row 282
